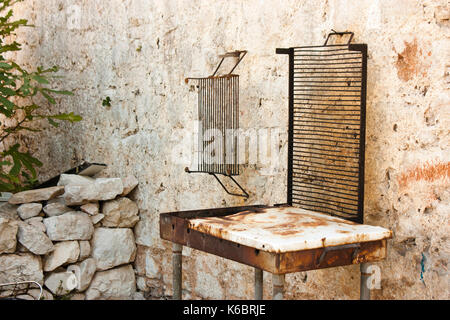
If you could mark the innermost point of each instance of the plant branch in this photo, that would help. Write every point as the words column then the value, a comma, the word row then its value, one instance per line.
column 13, row 129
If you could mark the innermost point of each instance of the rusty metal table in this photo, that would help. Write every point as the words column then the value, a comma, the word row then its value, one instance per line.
column 279, row 240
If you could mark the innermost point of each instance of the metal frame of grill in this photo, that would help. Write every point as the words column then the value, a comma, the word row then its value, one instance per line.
column 327, row 111
column 218, row 114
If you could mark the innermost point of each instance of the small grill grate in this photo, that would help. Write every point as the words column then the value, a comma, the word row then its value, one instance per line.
column 327, row 92
column 218, row 115
column 218, row 109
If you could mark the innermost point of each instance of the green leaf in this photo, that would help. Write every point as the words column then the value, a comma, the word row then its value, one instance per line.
column 21, row 159
column 5, row 66
column 40, row 79
column 53, row 122
column 15, row 65
column 8, row 104
column 15, row 170
column 6, row 187
column 65, row 92
column 5, row 111
column 13, row 178
column 26, row 175
column 25, row 88
column 7, row 91
column 29, row 162
column 52, row 69
column 30, row 108
column 67, row 117
column 48, row 97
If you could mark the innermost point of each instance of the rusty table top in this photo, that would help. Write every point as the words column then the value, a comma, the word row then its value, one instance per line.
column 285, row 229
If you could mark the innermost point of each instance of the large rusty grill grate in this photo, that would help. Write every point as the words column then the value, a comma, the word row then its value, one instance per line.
column 327, row 102
column 218, row 115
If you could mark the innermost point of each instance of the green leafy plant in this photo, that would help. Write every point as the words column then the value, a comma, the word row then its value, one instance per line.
column 20, row 91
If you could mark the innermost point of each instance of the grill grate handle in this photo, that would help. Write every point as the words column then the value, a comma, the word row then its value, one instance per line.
column 238, row 53
column 336, row 33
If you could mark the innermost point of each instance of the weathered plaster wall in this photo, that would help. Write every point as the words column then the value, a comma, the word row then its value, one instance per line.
column 138, row 52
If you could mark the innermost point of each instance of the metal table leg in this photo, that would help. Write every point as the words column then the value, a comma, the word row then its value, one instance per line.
column 177, row 264
column 258, row 284
column 364, row 293
column 277, row 286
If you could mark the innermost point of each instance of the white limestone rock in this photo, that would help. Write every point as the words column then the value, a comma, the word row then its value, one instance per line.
column 64, row 253
column 56, row 209
column 21, row 248
column 65, row 179
column 58, row 199
column 20, row 267
column 144, row 230
column 61, row 283
column 37, row 222
column 138, row 296
column 8, row 233
column 34, row 219
column 85, row 250
column 114, row 284
column 121, row 212
column 74, row 225
column 113, row 247
column 97, row 218
column 9, row 211
column 129, row 183
column 91, row 208
column 36, row 195
column 141, row 283
column 29, row 210
column 25, row 297
column 102, row 189
column 84, row 271
column 34, row 239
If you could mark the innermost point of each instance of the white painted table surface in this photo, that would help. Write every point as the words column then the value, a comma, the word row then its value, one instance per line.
column 284, row 229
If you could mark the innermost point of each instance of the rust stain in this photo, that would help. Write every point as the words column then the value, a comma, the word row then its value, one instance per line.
column 316, row 223
column 286, row 232
column 428, row 171
column 408, row 63
column 281, row 226
column 285, row 229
